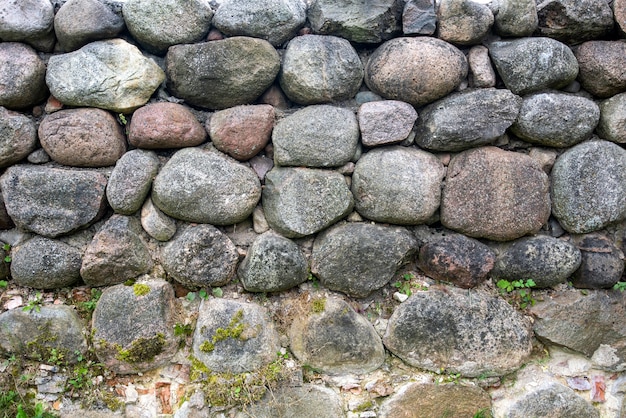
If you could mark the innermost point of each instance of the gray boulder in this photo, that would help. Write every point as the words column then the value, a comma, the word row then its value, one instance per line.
column 574, row 21
column 22, row 76
column 306, row 401
column 385, row 122
column 320, row 69
column 203, row 186
column 43, row 263
column 602, row 262
column 516, row 18
column 200, row 256
column 556, row 119
column 415, row 70
column 52, row 201
column 463, row 22
column 589, row 186
column 316, row 136
column 158, row 25
column 157, row 224
column 221, row 74
column 419, row 17
column 397, row 185
column 302, row 201
column 358, row 258
column 468, row 119
column 110, row 74
column 333, row 338
column 528, row 65
column 18, row 137
column 29, row 21
column 463, row 332
column 612, row 115
column 552, row 400
column 601, row 67
column 130, row 180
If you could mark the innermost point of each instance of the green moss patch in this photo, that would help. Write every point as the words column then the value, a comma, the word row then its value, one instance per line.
column 142, row 349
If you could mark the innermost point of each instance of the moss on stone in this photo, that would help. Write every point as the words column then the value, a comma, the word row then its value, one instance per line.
column 142, row 349
column 234, row 330
column 141, row 289
column 318, row 305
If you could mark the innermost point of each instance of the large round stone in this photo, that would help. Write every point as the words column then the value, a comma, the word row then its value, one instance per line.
column 612, row 115
column 130, row 180
column 602, row 67
column 22, row 76
column 29, row 21
column 18, row 137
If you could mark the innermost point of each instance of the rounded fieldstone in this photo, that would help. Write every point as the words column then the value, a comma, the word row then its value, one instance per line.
column 157, row 224
column 18, row 137
column 602, row 262
column 463, row 22
column 601, row 67
column 130, row 180
column 574, row 21
column 612, row 115
column 22, row 76
column 306, row 401
column 619, row 11
column 481, row 71
column 516, row 18
column 552, row 399
column 385, row 122
column 29, row 21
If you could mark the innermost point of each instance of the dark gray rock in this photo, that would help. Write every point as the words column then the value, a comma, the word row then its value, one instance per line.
column 589, row 186
column 385, row 122
column 130, row 181
column 333, row 338
column 320, row 69
column 18, row 137
column 43, row 263
column 273, row 263
column 468, row 119
column 53, row 201
column 463, row 22
column 200, row 256
column 574, row 21
column 29, row 21
column 221, row 74
column 552, row 400
column 397, row 185
column 463, row 332
column 601, row 67
column 602, row 262
column 316, row 136
column 419, row 17
column 302, row 201
column 612, row 114
column 5, row 220
column 22, row 76
column 528, row 65
column 306, row 401
column 516, row 18
column 157, row 224
column 206, row 186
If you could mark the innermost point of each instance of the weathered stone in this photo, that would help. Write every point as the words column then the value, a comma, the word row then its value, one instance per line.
column 302, row 201
column 467, row 119
column 481, row 72
column 516, row 18
column 133, row 326
column 619, row 12
column 116, row 253
column 221, row 74
column 601, row 67
column 200, row 256
column 273, row 263
column 463, row 22
column 18, row 137
column 203, row 186
column 333, row 338
column 385, row 122
column 275, row 21
column 5, row 220
column 602, row 262
column 556, row 119
column 612, row 115
column 246, row 342
column 53, row 201
column 306, row 401
column 495, row 194
column 130, row 181
column 158, row 25
column 43, row 263
column 29, row 21
column 110, row 74
column 528, row 65
column 320, row 69
column 157, row 224
column 552, row 400
column 22, row 76
column 419, row 17
column 82, row 137
column 574, row 21
column 589, row 186
column 415, row 70
column 316, row 136
column 460, row 332
column 242, row 131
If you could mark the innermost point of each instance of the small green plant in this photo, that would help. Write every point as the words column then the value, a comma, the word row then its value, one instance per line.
column 482, row 413
column 406, row 286
column 621, row 286
column 34, row 304
column 445, row 377
column 7, row 249
column 56, row 357
column 122, row 118
column 183, row 330
column 3, row 284
column 318, row 305
column 217, row 292
column 522, row 288
column 313, row 280
column 203, row 294
column 90, row 304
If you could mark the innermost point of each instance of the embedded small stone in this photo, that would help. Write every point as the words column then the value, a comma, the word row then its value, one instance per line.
column 385, row 122
column 157, row 224
column 130, row 181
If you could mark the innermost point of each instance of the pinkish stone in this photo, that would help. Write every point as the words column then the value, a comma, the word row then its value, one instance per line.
column 385, row 122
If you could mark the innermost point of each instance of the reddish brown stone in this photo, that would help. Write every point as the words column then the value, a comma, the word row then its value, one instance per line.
column 601, row 67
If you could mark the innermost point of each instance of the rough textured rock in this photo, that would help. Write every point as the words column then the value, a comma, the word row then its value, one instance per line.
column 221, row 74
column 481, row 71
column 619, row 12
column 202, row 186
column 165, row 125
column 18, row 137
column 556, row 119
column 43, row 263
column 528, row 65
column 22, row 76
column 612, row 115
column 495, row 194
column 456, row 259
column 158, row 25
column 358, row 258
column 467, row 119
column 545, row 260
column 459, row 331
column 320, row 69
column 130, row 181
column 110, row 74
column 157, row 224
column 601, row 67
column 574, row 21
column 79, row 22
column 333, row 338
column 374, row 23
column 552, row 400
column 385, row 122
column 116, row 253
column 252, row 341
column 419, row 17
column 306, row 401
column 134, row 326
column 242, row 131
column 29, row 21
column 602, row 262
column 415, row 70
column 589, row 186
column 36, row 333
column 53, row 201
column 301, row 201
column 200, row 256
column 273, row 263
column 516, row 18
column 275, row 21
column 82, row 137
column 316, row 136
column 463, row 22
column 397, row 185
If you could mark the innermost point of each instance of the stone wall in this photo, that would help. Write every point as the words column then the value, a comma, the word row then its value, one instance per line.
column 314, row 208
